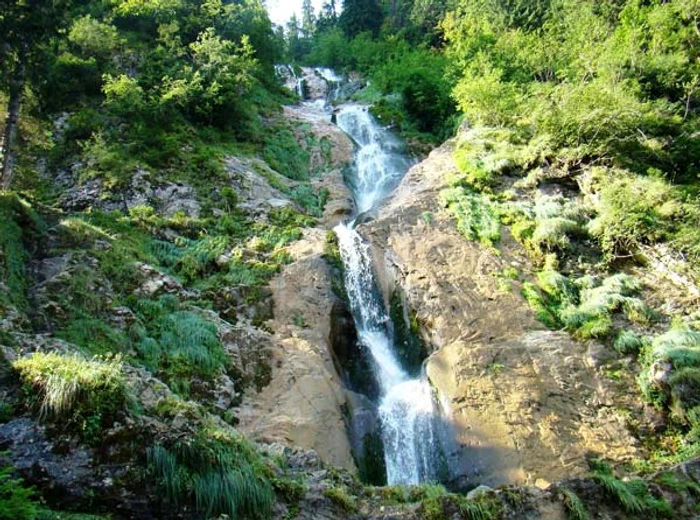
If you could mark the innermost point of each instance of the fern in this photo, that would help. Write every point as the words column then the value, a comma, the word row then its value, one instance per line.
column 574, row 505
column 16, row 500
column 167, row 253
column 476, row 217
column 632, row 495
column 627, row 342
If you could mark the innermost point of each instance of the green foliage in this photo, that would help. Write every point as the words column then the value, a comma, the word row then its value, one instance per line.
column 285, row 155
column 73, row 391
column 177, row 344
column 585, row 306
column 627, row 342
column 217, row 471
column 575, row 508
column 340, row 497
column 633, row 211
column 633, row 495
column 18, row 225
column 16, row 500
column 476, row 218
column 580, row 76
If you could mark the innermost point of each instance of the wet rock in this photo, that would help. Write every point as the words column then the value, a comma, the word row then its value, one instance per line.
column 523, row 401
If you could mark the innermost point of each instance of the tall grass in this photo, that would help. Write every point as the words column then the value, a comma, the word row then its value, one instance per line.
column 217, row 471
column 67, row 382
column 632, row 495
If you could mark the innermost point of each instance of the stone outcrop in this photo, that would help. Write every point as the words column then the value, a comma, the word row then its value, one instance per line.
column 301, row 406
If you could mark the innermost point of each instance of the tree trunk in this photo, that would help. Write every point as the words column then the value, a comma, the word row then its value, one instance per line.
column 12, row 120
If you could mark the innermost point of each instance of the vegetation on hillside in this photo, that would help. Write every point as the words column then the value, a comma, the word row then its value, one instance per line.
column 578, row 135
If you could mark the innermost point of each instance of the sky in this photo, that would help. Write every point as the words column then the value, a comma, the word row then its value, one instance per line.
column 281, row 10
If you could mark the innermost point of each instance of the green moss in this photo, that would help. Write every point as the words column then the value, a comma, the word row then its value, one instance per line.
column 341, row 498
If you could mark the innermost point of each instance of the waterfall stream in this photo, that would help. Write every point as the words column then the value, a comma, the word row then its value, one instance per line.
column 407, row 407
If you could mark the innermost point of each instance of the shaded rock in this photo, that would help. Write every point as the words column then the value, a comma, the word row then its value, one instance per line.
column 478, row 491
column 174, row 198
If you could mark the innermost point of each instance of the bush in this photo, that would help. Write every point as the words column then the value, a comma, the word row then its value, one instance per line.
column 16, row 500
column 217, row 471
column 76, row 392
column 476, row 217
column 633, row 211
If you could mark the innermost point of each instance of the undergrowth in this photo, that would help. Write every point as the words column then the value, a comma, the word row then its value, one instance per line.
column 217, row 471
column 632, row 495
column 74, row 392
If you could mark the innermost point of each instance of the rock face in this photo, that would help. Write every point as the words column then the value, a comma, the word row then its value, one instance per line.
column 524, row 403
column 302, row 404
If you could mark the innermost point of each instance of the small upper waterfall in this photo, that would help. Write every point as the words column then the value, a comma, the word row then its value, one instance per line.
column 379, row 165
column 407, row 407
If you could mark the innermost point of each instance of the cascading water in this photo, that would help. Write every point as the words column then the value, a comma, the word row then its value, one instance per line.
column 407, row 406
column 379, row 165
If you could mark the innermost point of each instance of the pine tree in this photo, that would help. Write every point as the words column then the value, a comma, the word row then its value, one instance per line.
column 308, row 19
column 360, row 16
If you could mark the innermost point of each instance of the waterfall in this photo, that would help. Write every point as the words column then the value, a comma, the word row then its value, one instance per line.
column 407, row 406
column 380, row 163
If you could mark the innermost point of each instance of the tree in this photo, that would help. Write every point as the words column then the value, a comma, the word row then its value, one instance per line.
column 360, row 16
column 308, row 19
column 328, row 17
column 26, row 28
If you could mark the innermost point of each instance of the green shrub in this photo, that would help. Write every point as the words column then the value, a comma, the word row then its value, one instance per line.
column 284, row 155
column 476, row 218
column 632, row 211
column 575, row 508
column 76, row 392
column 16, row 500
column 217, row 471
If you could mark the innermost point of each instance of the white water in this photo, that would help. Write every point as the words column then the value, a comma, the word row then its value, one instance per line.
column 380, row 164
column 407, row 407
